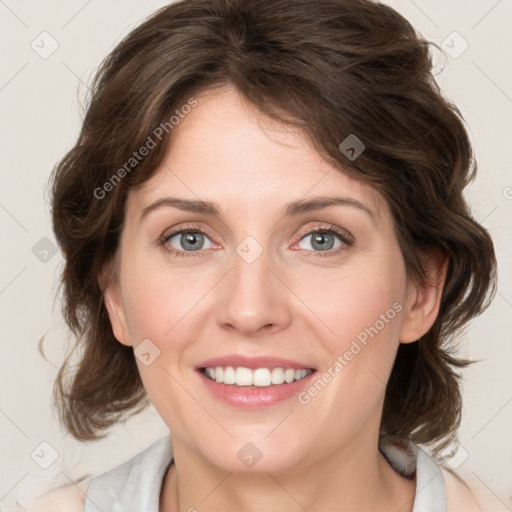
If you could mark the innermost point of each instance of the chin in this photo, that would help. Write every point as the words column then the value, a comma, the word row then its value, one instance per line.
column 256, row 454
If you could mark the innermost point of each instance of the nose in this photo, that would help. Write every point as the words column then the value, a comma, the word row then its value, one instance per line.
column 253, row 299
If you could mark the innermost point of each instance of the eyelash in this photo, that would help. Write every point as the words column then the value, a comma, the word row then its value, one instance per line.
column 344, row 237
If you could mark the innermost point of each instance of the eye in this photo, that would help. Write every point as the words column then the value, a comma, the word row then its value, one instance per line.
column 322, row 240
column 185, row 241
column 191, row 241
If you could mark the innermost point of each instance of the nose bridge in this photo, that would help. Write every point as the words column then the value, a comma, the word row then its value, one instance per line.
column 252, row 297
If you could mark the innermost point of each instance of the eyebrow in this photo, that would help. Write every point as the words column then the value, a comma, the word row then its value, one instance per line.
column 292, row 209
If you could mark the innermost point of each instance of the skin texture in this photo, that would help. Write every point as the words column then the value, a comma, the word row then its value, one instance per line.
column 293, row 301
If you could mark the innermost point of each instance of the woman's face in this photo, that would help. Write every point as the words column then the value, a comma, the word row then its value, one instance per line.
column 251, row 280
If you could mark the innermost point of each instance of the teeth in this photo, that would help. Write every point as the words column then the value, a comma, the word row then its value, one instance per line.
column 243, row 376
column 229, row 375
column 262, row 377
column 289, row 375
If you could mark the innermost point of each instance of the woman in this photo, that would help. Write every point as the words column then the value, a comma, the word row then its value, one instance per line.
column 266, row 236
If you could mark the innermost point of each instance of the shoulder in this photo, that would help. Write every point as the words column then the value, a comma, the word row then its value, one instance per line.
column 464, row 491
column 458, row 495
column 466, row 494
column 145, row 468
column 68, row 498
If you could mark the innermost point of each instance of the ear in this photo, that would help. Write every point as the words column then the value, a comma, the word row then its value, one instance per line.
column 112, row 298
column 424, row 298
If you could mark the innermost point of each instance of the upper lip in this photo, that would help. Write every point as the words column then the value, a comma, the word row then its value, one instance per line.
column 252, row 362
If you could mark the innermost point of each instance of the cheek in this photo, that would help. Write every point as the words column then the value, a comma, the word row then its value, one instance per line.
column 159, row 299
column 357, row 303
column 160, row 308
column 342, row 305
column 361, row 314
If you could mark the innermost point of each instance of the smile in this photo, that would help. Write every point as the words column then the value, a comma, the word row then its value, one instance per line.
column 260, row 377
column 253, row 389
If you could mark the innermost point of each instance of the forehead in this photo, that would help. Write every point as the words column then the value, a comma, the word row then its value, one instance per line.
column 226, row 151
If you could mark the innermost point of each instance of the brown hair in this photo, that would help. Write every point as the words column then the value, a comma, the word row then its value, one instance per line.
column 331, row 68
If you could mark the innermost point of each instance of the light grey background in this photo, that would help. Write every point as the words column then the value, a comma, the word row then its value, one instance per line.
column 40, row 118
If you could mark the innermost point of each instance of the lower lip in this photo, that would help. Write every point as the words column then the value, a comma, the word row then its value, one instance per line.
column 254, row 397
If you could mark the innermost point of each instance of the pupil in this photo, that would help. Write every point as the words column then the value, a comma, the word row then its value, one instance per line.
column 320, row 239
column 191, row 239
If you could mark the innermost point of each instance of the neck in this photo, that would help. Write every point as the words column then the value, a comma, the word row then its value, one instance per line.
column 356, row 477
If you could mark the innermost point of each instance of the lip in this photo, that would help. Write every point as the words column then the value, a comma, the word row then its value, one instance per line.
column 253, row 362
column 253, row 397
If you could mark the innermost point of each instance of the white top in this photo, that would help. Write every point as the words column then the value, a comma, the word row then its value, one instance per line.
column 135, row 485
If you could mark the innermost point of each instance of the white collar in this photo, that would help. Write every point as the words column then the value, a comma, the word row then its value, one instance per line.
column 135, row 485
